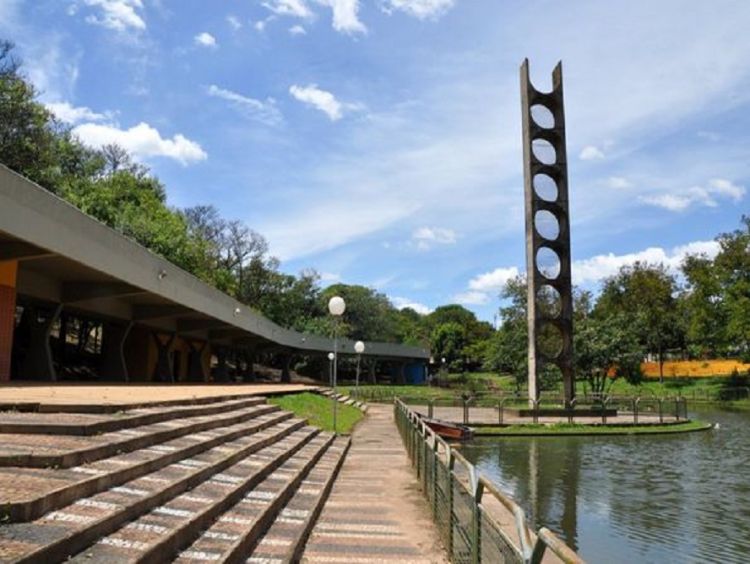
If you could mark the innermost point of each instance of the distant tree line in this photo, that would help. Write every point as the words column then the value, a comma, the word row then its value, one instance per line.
column 644, row 311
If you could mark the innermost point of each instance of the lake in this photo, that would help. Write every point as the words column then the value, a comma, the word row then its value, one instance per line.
column 667, row 498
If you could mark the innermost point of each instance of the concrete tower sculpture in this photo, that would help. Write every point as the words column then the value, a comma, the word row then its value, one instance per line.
column 550, row 295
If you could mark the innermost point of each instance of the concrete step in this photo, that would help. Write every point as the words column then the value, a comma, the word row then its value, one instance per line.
column 60, row 533
column 159, row 535
column 236, row 532
column 34, row 451
column 38, row 491
column 84, row 424
column 285, row 540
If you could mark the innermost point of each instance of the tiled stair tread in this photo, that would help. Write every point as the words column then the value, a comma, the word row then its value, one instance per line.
column 82, row 424
column 159, row 534
column 28, row 484
column 284, row 540
column 55, row 535
column 237, row 529
column 45, row 450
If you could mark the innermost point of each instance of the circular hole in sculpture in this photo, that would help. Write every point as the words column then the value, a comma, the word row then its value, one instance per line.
column 546, row 224
column 542, row 116
column 548, row 301
column 550, row 376
column 548, row 263
column 545, row 187
column 549, row 341
column 544, row 151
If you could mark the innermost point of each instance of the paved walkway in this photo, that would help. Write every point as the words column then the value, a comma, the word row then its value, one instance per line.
column 376, row 511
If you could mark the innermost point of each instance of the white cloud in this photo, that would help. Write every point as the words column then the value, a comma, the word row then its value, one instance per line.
column 329, row 277
column 120, row 15
column 295, row 8
column 697, row 195
column 205, row 39
column 403, row 303
column 590, row 153
column 484, row 287
column 234, row 22
column 141, row 140
column 599, row 267
column 618, row 183
column 345, row 18
column 421, row 9
column 472, row 298
column 425, row 237
column 322, row 100
column 263, row 111
column 297, row 30
column 72, row 114
column 493, row 281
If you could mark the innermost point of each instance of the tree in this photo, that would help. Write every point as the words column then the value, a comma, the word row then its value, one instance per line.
column 733, row 267
column 448, row 342
column 607, row 348
column 645, row 294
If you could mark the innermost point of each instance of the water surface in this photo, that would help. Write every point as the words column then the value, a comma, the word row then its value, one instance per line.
column 668, row 498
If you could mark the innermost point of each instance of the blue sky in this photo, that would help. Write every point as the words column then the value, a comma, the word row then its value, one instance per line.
column 379, row 141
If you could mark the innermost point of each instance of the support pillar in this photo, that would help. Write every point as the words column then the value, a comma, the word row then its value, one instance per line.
column 195, row 371
column 401, row 375
column 221, row 372
column 163, row 369
column 113, row 365
column 372, row 375
column 286, row 361
column 38, row 363
column 248, row 373
column 8, row 271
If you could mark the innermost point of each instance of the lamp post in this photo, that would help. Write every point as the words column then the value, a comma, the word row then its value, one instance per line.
column 330, row 369
column 336, row 307
column 359, row 348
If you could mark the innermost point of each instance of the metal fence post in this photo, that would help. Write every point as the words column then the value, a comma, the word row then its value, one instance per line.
column 430, row 404
column 451, row 464
column 677, row 408
column 435, row 462
column 661, row 414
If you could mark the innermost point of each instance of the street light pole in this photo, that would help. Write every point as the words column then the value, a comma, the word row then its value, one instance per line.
column 359, row 348
column 336, row 307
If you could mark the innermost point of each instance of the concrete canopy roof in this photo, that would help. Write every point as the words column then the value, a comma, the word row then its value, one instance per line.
column 67, row 257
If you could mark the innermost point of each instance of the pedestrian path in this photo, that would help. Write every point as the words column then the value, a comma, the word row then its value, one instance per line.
column 376, row 511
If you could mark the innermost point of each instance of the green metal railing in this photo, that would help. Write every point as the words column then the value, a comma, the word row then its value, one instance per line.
column 456, row 492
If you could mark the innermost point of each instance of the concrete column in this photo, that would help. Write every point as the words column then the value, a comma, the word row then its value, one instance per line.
column 8, row 271
column 195, row 372
column 163, row 369
column 38, row 363
column 248, row 373
column 221, row 372
column 401, row 374
column 113, row 365
column 286, row 361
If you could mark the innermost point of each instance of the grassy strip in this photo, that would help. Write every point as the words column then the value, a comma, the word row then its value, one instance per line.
column 318, row 411
column 576, row 429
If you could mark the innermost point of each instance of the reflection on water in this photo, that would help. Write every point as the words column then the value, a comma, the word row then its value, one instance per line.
column 670, row 498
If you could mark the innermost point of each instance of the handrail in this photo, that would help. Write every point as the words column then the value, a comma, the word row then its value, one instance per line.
column 420, row 440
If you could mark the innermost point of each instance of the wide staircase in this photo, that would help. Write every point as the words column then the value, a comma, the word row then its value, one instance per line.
column 222, row 480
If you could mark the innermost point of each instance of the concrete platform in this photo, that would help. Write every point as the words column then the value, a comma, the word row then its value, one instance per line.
column 103, row 398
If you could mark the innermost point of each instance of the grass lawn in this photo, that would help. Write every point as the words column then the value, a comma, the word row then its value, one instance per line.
column 575, row 429
column 318, row 411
